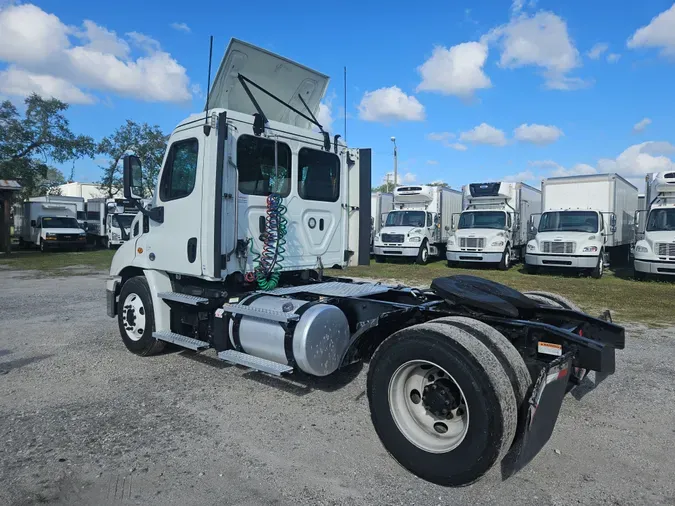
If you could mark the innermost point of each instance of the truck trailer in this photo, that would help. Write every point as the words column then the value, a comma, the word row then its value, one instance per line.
column 49, row 223
column 587, row 222
column 492, row 228
column 109, row 220
column 654, row 253
column 418, row 225
column 380, row 205
column 251, row 205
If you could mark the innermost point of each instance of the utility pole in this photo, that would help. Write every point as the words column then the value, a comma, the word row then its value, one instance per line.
column 393, row 139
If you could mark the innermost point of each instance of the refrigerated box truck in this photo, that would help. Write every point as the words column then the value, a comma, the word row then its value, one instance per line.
column 587, row 222
column 493, row 226
column 419, row 224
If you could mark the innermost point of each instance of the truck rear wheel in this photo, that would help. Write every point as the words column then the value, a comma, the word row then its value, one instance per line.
column 136, row 318
column 441, row 403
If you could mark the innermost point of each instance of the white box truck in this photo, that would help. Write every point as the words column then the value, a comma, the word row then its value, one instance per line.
column 418, row 225
column 654, row 253
column 493, row 225
column 109, row 220
column 380, row 205
column 586, row 220
column 49, row 223
column 250, row 203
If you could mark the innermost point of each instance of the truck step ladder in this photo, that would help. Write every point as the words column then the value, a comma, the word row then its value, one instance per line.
column 180, row 340
column 259, row 364
column 263, row 314
column 192, row 300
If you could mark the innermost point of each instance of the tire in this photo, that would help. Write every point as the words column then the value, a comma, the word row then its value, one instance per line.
column 380, row 259
column 552, row 299
column 423, row 255
column 43, row 248
column 599, row 269
column 639, row 275
column 451, row 264
column 136, row 318
column 531, row 269
column 490, row 419
column 505, row 262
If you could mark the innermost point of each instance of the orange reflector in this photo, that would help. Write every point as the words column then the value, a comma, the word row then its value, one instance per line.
column 140, row 250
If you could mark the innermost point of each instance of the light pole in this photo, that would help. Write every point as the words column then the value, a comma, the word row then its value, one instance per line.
column 393, row 139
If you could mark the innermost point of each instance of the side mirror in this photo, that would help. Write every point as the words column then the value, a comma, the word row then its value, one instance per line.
column 111, row 207
column 33, row 223
column 133, row 177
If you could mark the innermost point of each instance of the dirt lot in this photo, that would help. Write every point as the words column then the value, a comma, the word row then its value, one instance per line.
column 82, row 421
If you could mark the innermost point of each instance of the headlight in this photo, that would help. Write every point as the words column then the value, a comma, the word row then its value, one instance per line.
column 531, row 247
column 590, row 249
column 415, row 239
column 377, row 237
column 115, row 236
column 641, row 249
column 451, row 242
column 498, row 243
column 51, row 237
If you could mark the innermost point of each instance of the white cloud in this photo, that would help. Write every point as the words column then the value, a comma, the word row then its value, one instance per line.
column 484, row 134
column 526, row 175
column 597, row 50
column 660, row 33
column 641, row 125
column 580, row 169
column 432, row 162
column 405, row 178
column 639, row 159
column 21, row 83
column 537, row 134
column 46, row 54
column 542, row 41
column 181, row 27
column 613, row 57
column 517, row 6
column 390, row 104
column 325, row 115
column 457, row 146
column 440, row 136
column 455, row 71
column 544, row 164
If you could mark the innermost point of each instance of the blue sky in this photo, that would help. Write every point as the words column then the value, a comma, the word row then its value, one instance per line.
column 472, row 90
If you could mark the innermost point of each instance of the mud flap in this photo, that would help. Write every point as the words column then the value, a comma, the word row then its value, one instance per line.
column 536, row 422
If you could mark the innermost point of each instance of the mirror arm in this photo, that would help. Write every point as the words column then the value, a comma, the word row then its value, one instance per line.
column 155, row 214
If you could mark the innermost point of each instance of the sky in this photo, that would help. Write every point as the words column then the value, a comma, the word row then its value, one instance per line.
column 480, row 90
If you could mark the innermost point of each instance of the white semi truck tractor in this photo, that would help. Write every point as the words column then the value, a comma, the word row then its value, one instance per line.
column 586, row 224
column 654, row 253
column 493, row 225
column 419, row 224
column 252, row 206
column 380, row 204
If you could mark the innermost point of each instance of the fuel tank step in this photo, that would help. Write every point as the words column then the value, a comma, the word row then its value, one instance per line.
column 259, row 364
column 192, row 300
column 263, row 314
column 180, row 340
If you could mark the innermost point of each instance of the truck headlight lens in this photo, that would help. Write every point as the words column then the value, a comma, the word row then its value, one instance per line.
column 50, row 236
column 377, row 237
column 590, row 249
column 415, row 239
column 115, row 236
column 531, row 247
column 641, row 249
column 498, row 243
column 451, row 242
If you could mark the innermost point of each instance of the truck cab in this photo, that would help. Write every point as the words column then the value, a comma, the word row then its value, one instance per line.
column 569, row 238
column 51, row 232
column 403, row 233
column 118, row 227
column 655, row 252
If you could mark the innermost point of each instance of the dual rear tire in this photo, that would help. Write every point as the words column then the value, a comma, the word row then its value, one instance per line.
column 445, row 397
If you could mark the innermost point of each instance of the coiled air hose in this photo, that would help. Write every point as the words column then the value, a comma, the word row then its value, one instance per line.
column 268, row 268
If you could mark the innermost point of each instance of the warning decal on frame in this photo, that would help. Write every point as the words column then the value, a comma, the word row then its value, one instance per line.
column 549, row 348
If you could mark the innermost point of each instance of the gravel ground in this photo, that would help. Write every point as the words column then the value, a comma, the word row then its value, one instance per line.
column 82, row 421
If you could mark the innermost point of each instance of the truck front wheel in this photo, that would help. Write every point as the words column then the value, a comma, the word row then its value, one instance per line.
column 441, row 403
column 599, row 269
column 506, row 260
column 136, row 318
column 423, row 255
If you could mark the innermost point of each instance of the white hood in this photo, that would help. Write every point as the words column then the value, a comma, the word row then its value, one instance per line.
column 283, row 78
column 661, row 236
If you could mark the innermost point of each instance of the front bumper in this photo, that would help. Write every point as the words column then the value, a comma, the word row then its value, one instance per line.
column 571, row 261
column 655, row 267
column 397, row 251
column 493, row 257
column 51, row 244
column 112, row 286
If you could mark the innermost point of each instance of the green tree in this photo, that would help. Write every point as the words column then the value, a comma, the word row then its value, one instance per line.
column 28, row 144
column 145, row 141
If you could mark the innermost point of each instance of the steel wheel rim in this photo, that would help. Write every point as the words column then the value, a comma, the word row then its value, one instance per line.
column 507, row 260
column 431, row 432
column 133, row 317
column 425, row 254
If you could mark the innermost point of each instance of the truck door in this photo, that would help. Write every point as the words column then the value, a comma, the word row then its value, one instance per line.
column 175, row 242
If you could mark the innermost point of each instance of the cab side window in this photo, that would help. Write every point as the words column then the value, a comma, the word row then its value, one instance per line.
column 255, row 163
column 318, row 175
column 430, row 221
column 180, row 171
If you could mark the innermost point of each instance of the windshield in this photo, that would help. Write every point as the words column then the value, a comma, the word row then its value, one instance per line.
column 661, row 219
column 122, row 220
column 482, row 219
column 405, row 219
column 569, row 221
column 59, row 222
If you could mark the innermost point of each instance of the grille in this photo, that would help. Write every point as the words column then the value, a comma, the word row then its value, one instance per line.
column 558, row 247
column 392, row 238
column 472, row 242
column 66, row 237
column 665, row 249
